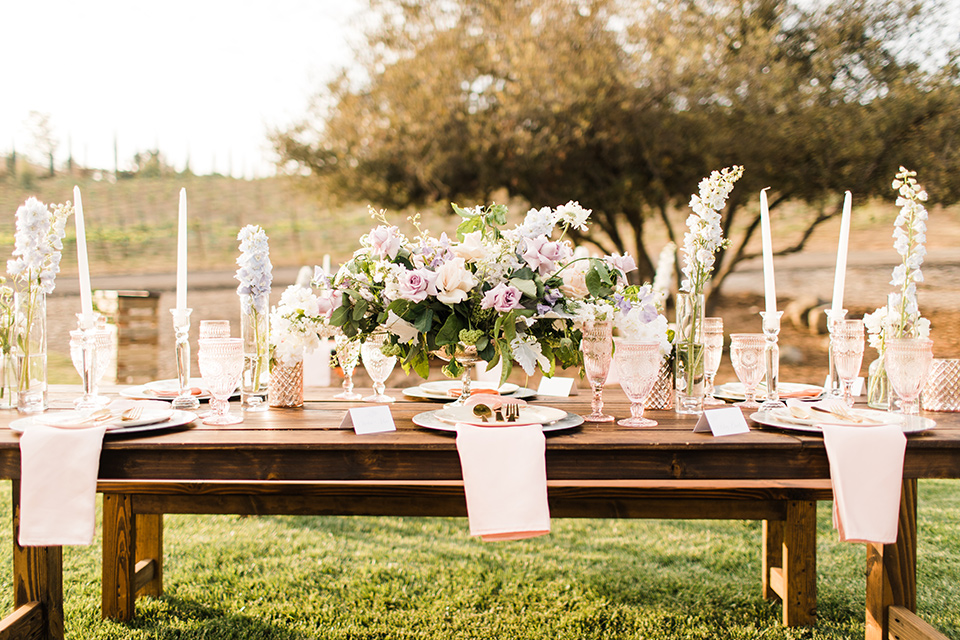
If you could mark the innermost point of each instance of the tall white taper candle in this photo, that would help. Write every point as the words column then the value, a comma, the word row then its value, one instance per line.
column 86, row 298
column 182, row 257
column 839, row 277
column 769, row 288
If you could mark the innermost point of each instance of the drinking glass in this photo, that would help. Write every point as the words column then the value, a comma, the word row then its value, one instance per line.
column 907, row 361
column 214, row 329
column 846, row 345
column 638, row 365
column 348, row 353
column 746, row 355
column 712, row 353
column 377, row 365
column 597, row 348
column 102, row 343
column 221, row 365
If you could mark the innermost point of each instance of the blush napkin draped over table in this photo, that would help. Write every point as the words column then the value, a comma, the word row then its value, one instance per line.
column 866, row 471
column 505, row 480
column 58, row 484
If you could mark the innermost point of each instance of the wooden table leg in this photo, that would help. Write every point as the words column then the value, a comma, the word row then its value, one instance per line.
column 892, row 568
column 119, row 566
column 771, row 556
column 38, row 587
column 149, row 567
column 800, row 563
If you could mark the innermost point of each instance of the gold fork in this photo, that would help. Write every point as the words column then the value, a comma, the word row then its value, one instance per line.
column 512, row 412
column 133, row 413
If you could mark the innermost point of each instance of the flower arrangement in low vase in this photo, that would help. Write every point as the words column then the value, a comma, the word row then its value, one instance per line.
column 703, row 239
column 491, row 294
column 901, row 317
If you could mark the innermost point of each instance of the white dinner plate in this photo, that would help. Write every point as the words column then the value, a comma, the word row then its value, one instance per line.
column 429, row 420
column 734, row 391
column 528, row 415
column 421, row 392
column 175, row 419
column 783, row 419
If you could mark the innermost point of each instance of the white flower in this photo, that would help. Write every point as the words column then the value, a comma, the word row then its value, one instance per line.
column 37, row 244
column 705, row 236
column 663, row 279
column 538, row 222
column 256, row 272
column 573, row 215
column 472, row 248
column 454, row 281
column 574, row 278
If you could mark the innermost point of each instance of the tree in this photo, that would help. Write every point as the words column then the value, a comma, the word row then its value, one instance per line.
column 625, row 105
column 43, row 139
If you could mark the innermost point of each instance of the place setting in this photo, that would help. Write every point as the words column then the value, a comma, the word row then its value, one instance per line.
column 493, row 411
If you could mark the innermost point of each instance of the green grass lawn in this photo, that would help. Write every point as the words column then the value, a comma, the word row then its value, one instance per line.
column 292, row 578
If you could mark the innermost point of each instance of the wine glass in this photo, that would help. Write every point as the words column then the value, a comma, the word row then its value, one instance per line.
column 214, row 329
column 907, row 361
column 712, row 353
column 597, row 347
column 102, row 344
column 846, row 345
column 221, row 365
column 348, row 354
column 746, row 355
column 638, row 365
column 378, row 365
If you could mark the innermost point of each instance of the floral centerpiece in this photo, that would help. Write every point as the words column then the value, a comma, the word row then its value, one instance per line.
column 36, row 261
column 901, row 317
column 703, row 239
column 492, row 294
column 299, row 321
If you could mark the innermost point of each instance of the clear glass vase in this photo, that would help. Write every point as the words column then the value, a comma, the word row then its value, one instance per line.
column 31, row 350
column 689, row 379
column 255, row 333
column 286, row 385
column 878, row 387
column 8, row 381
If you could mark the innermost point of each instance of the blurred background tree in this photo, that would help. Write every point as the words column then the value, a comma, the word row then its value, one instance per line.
column 625, row 104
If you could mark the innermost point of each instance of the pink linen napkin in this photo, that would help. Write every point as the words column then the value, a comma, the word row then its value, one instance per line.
column 58, row 484
column 505, row 481
column 866, row 470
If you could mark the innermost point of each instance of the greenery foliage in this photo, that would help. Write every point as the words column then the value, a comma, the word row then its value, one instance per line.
column 624, row 104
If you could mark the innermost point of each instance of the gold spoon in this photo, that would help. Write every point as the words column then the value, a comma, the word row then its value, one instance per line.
column 482, row 411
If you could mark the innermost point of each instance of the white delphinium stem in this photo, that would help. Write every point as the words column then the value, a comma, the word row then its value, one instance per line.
column 909, row 235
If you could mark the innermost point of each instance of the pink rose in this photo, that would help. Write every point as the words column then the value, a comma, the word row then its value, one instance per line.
column 502, row 298
column 416, row 285
column 385, row 241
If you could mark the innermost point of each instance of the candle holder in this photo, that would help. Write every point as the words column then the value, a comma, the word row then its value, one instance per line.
column 87, row 344
column 771, row 352
column 185, row 401
column 832, row 388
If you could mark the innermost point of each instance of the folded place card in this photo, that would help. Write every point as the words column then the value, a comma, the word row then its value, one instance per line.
column 556, row 386
column 725, row 421
column 366, row 420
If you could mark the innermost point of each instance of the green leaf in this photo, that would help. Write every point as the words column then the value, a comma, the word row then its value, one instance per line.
column 595, row 285
column 498, row 214
column 526, row 286
column 424, row 322
column 420, row 362
column 340, row 316
column 450, row 331
column 360, row 309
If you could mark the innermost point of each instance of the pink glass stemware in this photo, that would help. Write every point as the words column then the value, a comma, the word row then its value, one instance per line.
column 712, row 353
column 221, row 365
column 907, row 361
column 597, row 347
column 746, row 355
column 846, row 345
column 638, row 365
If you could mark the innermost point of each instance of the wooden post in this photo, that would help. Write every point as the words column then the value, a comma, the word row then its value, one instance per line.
column 119, row 566
column 150, row 550
column 37, row 577
column 771, row 555
column 892, row 568
column 800, row 563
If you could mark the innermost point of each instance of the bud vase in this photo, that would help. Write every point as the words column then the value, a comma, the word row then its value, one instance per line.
column 689, row 379
column 8, row 381
column 255, row 333
column 286, row 385
column 31, row 350
column 878, row 387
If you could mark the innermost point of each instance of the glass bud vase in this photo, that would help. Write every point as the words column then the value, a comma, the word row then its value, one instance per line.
column 31, row 350
column 689, row 380
column 878, row 387
column 255, row 333
column 8, row 381
column 286, row 385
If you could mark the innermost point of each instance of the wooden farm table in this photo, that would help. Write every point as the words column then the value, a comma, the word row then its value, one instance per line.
column 299, row 461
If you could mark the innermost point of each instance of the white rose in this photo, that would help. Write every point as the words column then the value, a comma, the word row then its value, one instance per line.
column 454, row 281
column 574, row 283
column 471, row 248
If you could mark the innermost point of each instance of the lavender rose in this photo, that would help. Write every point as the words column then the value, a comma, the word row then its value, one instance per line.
column 502, row 298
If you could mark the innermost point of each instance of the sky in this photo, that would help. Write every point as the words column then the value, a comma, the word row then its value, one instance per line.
column 204, row 80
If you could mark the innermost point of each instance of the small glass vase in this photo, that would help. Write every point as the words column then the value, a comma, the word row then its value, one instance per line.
column 31, row 350
column 286, row 385
column 255, row 333
column 8, row 381
column 878, row 387
column 689, row 379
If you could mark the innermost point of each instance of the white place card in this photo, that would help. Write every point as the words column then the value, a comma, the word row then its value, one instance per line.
column 725, row 421
column 366, row 420
column 557, row 386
